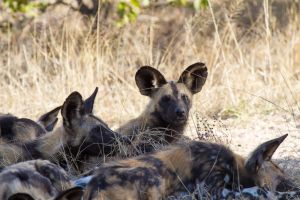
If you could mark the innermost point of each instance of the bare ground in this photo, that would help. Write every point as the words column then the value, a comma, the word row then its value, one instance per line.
column 244, row 135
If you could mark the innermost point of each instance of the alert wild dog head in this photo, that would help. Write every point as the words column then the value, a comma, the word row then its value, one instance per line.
column 81, row 136
column 170, row 101
column 20, row 130
column 36, row 180
column 158, row 175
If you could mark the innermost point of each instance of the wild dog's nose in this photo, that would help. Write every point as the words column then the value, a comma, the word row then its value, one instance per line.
column 180, row 113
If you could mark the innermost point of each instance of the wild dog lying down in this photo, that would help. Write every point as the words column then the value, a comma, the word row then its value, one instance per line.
column 20, row 130
column 36, row 180
column 170, row 103
column 158, row 175
column 81, row 136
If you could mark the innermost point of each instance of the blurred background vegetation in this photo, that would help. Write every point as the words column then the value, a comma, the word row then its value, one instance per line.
column 251, row 48
column 126, row 10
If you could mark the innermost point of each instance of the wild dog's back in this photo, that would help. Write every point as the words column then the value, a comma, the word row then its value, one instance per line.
column 157, row 175
column 21, row 130
column 139, row 178
column 14, row 129
column 38, row 179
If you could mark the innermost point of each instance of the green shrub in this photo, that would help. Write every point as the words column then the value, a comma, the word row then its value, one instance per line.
column 24, row 6
column 128, row 10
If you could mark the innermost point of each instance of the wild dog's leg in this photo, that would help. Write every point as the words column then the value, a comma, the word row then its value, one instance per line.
column 154, row 194
column 245, row 194
column 215, row 183
column 259, row 193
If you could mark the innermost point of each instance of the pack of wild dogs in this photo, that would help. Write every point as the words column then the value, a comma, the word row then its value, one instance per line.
column 148, row 158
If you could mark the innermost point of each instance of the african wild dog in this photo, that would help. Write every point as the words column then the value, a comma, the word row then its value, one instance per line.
column 81, row 137
column 20, row 130
column 160, row 174
column 36, row 180
column 170, row 103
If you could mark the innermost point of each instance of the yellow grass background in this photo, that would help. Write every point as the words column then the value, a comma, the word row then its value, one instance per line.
column 253, row 69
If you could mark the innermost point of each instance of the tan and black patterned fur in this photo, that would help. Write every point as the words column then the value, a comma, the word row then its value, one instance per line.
column 81, row 136
column 170, row 102
column 36, row 180
column 21, row 130
column 158, row 175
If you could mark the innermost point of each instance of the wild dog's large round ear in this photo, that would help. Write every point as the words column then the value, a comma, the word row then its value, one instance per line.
column 20, row 196
column 262, row 153
column 148, row 80
column 49, row 119
column 194, row 77
column 89, row 102
column 72, row 109
column 75, row 193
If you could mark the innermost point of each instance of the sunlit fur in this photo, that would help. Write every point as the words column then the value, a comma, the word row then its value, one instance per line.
column 158, row 175
column 170, row 103
column 40, row 179
column 81, row 136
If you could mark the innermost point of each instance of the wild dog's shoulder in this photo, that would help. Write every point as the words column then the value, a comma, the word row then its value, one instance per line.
column 132, row 127
column 209, row 150
column 19, row 130
column 122, row 178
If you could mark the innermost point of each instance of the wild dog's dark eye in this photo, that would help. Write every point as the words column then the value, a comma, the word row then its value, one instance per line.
column 166, row 98
column 184, row 97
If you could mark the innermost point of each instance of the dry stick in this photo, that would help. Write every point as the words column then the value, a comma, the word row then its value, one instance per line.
column 233, row 100
column 265, row 99
column 268, row 38
column 235, row 39
column 97, row 39
column 151, row 39
column 292, row 94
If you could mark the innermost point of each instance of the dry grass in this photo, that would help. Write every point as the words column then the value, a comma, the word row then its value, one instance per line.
column 258, row 74
column 254, row 69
